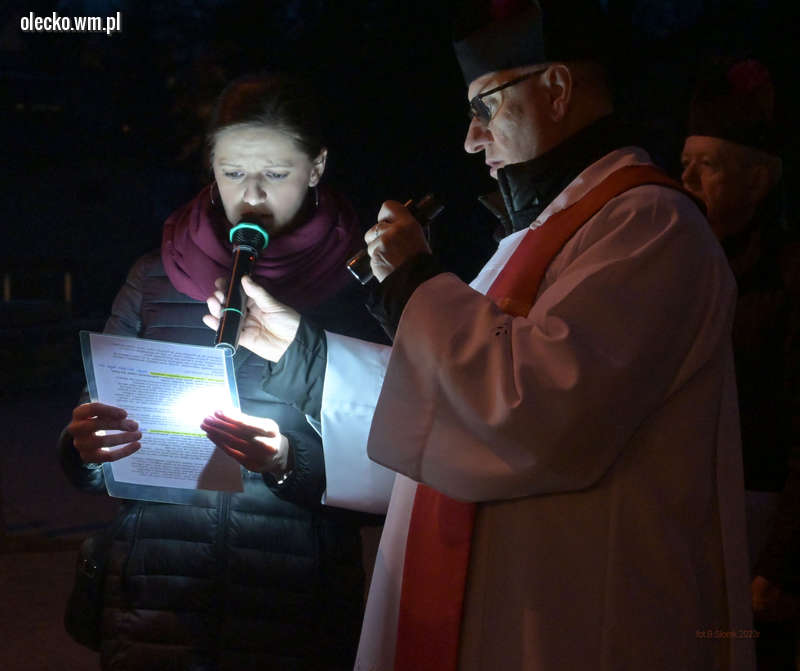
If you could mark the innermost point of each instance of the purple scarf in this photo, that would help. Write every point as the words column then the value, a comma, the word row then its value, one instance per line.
column 301, row 268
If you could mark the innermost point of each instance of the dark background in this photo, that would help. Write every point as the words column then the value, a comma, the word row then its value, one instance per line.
column 102, row 135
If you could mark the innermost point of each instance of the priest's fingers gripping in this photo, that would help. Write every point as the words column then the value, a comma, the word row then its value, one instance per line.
column 89, row 426
column 255, row 442
column 394, row 239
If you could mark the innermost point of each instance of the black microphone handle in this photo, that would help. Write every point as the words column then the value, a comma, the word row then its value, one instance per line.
column 235, row 307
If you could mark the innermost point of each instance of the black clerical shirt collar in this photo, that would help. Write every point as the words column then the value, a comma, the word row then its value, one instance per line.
column 528, row 188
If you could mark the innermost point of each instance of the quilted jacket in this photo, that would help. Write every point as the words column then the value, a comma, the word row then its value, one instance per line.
column 264, row 579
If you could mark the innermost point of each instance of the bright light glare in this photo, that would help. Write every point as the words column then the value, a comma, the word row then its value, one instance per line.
column 191, row 407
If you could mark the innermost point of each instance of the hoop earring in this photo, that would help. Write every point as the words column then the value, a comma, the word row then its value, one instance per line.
column 316, row 196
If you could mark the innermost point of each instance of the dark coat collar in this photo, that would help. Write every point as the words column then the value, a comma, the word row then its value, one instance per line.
column 528, row 188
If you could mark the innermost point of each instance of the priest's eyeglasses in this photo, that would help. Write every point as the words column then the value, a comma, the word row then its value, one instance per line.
column 484, row 112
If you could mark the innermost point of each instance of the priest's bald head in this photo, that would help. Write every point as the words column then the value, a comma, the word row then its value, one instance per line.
column 535, row 71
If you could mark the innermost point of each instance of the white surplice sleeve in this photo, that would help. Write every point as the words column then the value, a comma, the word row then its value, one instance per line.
column 484, row 406
column 353, row 378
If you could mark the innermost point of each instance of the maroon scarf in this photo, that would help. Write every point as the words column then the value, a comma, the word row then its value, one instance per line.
column 301, row 268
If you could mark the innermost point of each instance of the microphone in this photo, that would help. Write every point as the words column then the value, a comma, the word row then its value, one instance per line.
column 425, row 210
column 249, row 240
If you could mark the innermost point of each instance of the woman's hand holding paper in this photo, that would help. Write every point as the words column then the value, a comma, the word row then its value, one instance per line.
column 89, row 426
column 255, row 442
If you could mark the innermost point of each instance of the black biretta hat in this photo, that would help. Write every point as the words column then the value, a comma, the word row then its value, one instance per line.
column 735, row 101
column 492, row 35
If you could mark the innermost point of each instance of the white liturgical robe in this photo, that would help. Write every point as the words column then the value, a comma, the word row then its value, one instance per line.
column 598, row 435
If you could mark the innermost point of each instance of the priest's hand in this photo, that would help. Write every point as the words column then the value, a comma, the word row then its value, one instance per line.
column 269, row 327
column 394, row 239
column 91, row 421
column 255, row 442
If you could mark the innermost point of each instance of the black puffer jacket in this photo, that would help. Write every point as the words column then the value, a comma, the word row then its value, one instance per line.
column 243, row 581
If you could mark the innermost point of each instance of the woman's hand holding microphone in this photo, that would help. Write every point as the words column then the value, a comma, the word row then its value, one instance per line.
column 269, row 326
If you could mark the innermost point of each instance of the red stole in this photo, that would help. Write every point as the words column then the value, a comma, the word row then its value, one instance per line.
column 440, row 530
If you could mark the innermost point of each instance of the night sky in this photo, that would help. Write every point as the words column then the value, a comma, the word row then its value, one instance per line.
column 102, row 135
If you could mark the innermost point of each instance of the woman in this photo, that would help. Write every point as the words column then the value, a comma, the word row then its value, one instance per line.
column 268, row 578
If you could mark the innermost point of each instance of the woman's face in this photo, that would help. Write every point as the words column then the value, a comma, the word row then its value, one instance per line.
column 261, row 172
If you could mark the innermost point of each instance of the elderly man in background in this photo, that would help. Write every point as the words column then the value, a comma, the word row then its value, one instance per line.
column 731, row 162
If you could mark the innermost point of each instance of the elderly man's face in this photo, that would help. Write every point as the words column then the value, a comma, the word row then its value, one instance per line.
column 518, row 130
column 718, row 172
